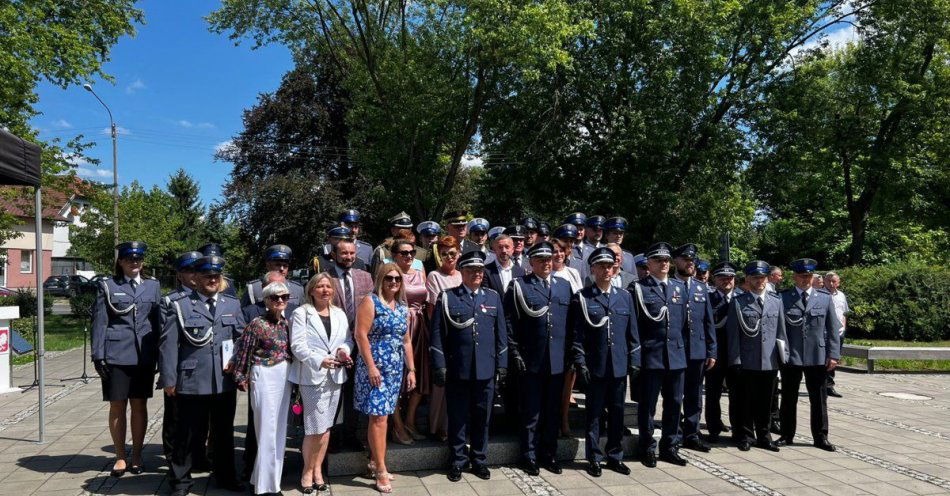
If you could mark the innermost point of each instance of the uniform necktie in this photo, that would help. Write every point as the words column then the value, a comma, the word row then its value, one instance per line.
column 663, row 285
column 211, row 306
column 133, row 283
column 347, row 293
column 804, row 298
column 544, row 284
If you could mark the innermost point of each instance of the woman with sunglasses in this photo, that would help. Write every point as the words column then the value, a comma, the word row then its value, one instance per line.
column 385, row 350
column 261, row 363
column 125, row 330
column 446, row 277
column 414, row 284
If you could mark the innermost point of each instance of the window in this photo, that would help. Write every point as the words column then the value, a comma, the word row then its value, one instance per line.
column 26, row 261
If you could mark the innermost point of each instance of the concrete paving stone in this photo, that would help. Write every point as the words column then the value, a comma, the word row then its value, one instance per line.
column 60, row 484
column 884, row 475
column 567, row 480
column 649, row 476
column 812, row 478
column 584, row 491
column 631, row 489
column 713, row 485
column 777, row 481
column 22, row 475
column 783, row 466
column 461, row 488
column 495, row 487
column 882, row 489
column 748, row 468
column 429, row 477
column 920, row 487
column 853, row 463
column 609, row 478
column 674, row 488
column 813, row 491
column 686, row 473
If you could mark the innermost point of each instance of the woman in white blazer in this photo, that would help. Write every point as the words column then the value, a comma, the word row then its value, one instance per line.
column 321, row 342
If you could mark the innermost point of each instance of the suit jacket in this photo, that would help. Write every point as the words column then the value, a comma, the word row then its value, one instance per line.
column 662, row 343
column 812, row 330
column 362, row 286
column 310, row 345
column 492, row 277
column 129, row 338
column 758, row 351
column 473, row 352
column 609, row 349
column 541, row 341
column 700, row 330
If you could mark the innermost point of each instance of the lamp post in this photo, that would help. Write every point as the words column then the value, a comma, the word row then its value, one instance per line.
column 115, row 169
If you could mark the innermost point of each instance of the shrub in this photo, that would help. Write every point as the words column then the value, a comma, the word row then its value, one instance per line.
column 81, row 304
column 26, row 300
column 906, row 300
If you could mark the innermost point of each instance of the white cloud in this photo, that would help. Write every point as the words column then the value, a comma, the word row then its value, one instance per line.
column 134, row 86
column 87, row 172
column 118, row 129
column 471, row 161
column 62, row 124
column 224, row 146
column 76, row 160
column 200, row 125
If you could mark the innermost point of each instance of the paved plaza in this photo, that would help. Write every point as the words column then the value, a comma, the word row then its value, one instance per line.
column 893, row 434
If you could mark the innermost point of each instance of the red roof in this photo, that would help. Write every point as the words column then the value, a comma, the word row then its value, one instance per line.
column 55, row 198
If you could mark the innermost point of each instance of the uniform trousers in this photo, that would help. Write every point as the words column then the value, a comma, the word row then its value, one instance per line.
column 511, row 399
column 756, row 387
column 693, row 397
column 715, row 378
column 540, row 406
column 601, row 393
column 469, row 410
column 815, row 383
column 169, row 419
column 195, row 411
column 270, row 395
column 670, row 384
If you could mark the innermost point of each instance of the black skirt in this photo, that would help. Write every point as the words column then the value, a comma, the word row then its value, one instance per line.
column 128, row 382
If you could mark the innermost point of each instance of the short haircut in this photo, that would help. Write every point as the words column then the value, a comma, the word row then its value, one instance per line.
column 272, row 277
column 447, row 242
column 775, row 268
column 274, row 288
column 340, row 242
column 830, row 274
column 501, row 237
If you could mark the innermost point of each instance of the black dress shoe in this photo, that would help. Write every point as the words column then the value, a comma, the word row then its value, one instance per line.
column 618, row 466
column 233, row 486
column 783, row 441
column 767, row 445
column 482, row 472
column 775, row 427
column 712, row 437
column 455, row 473
column 744, row 446
column 530, row 467
column 832, row 392
column 552, row 465
column 673, row 457
column 696, row 444
column 726, row 428
column 648, row 459
column 824, row 444
column 180, row 492
column 593, row 468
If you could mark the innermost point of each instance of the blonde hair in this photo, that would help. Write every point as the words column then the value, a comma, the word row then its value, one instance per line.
column 381, row 275
column 312, row 283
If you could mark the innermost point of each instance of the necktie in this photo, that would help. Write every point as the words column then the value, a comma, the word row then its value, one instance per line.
column 804, row 298
column 347, row 293
column 544, row 284
column 663, row 287
column 211, row 306
column 133, row 283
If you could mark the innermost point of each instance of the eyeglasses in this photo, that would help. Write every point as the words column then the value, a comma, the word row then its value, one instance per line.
column 448, row 254
column 275, row 298
column 393, row 279
column 407, row 253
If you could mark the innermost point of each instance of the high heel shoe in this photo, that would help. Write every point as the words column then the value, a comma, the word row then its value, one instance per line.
column 307, row 488
column 414, row 434
column 386, row 487
column 394, row 437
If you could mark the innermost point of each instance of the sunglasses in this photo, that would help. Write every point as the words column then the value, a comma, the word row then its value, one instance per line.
column 449, row 254
column 283, row 297
column 407, row 253
column 393, row 279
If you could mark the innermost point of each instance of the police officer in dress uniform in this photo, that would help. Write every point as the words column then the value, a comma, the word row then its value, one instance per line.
column 814, row 349
column 469, row 352
column 519, row 256
column 210, row 249
column 126, row 323
column 276, row 258
column 185, row 276
column 724, row 277
column 614, row 230
column 568, row 233
column 197, row 339
column 640, row 264
column 544, row 232
column 536, row 307
column 579, row 221
column 661, row 319
column 324, row 259
column 593, row 234
column 755, row 324
column 702, row 273
column 397, row 223
column 477, row 236
column 351, row 218
column 606, row 346
column 531, row 231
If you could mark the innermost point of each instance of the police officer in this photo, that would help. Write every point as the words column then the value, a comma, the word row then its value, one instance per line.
column 397, row 223
column 469, row 356
column 185, row 275
column 568, row 234
column 276, row 258
column 126, row 323
column 700, row 334
column 593, row 234
column 544, row 232
column 724, row 277
column 814, row 349
column 517, row 233
column 702, row 272
column 197, row 339
column 606, row 345
column 755, row 324
column 614, row 230
column 351, row 218
column 425, row 244
column 215, row 249
column 536, row 306
column 324, row 259
column 579, row 221
column 661, row 318
column 531, row 231
column 477, row 236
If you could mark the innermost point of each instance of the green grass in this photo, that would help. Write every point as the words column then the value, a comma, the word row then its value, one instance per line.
column 898, row 365
column 62, row 332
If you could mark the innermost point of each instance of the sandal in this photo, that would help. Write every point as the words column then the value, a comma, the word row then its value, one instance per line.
column 384, row 488
column 306, row 488
column 414, row 434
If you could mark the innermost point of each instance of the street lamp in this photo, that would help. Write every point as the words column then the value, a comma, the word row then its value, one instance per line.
column 115, row 169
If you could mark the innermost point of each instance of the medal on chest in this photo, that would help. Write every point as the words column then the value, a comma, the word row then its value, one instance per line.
column 676, row 294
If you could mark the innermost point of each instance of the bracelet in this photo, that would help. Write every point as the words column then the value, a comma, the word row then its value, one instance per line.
column 412, row 370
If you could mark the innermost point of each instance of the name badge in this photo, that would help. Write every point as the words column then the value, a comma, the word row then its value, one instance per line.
column 227, row 351
column 119, row 294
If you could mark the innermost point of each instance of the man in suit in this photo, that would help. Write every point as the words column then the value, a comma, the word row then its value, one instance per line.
column 661, row 317
column 755, row 324
column 536, row 307
column 606, row 346
column 814, row 347
column 724, row 276
column 700, row 335
column 198, row 332
column 351, row 218
column 350, row 286
column 477, row 236
column 469, row 352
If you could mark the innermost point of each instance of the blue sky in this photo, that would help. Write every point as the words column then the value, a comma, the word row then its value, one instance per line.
column 179, row 91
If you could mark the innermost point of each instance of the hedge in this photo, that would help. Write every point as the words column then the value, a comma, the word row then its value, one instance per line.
column 26, row 300
column 81, row 304
column 906, row 301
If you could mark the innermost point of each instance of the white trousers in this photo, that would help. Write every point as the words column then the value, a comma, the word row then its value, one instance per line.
column 270, row 399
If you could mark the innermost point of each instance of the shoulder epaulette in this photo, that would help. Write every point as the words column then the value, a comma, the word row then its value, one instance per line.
column 823, row 290
column 227, row 296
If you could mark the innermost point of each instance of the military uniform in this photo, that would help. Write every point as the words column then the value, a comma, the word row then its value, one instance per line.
column 198, row 334
column 470, row 343
column 721, row 374
column 606, row 344
column 537, row 313
column 619, row 226
column 812, row 328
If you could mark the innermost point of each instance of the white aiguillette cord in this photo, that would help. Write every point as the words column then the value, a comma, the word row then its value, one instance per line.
column 586, row 315
column 523, row 305
column 663, row 311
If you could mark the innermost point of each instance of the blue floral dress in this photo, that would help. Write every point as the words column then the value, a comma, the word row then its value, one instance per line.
column 386, row 346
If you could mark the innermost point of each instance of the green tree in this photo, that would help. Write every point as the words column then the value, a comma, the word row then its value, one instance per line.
column 184, row 191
